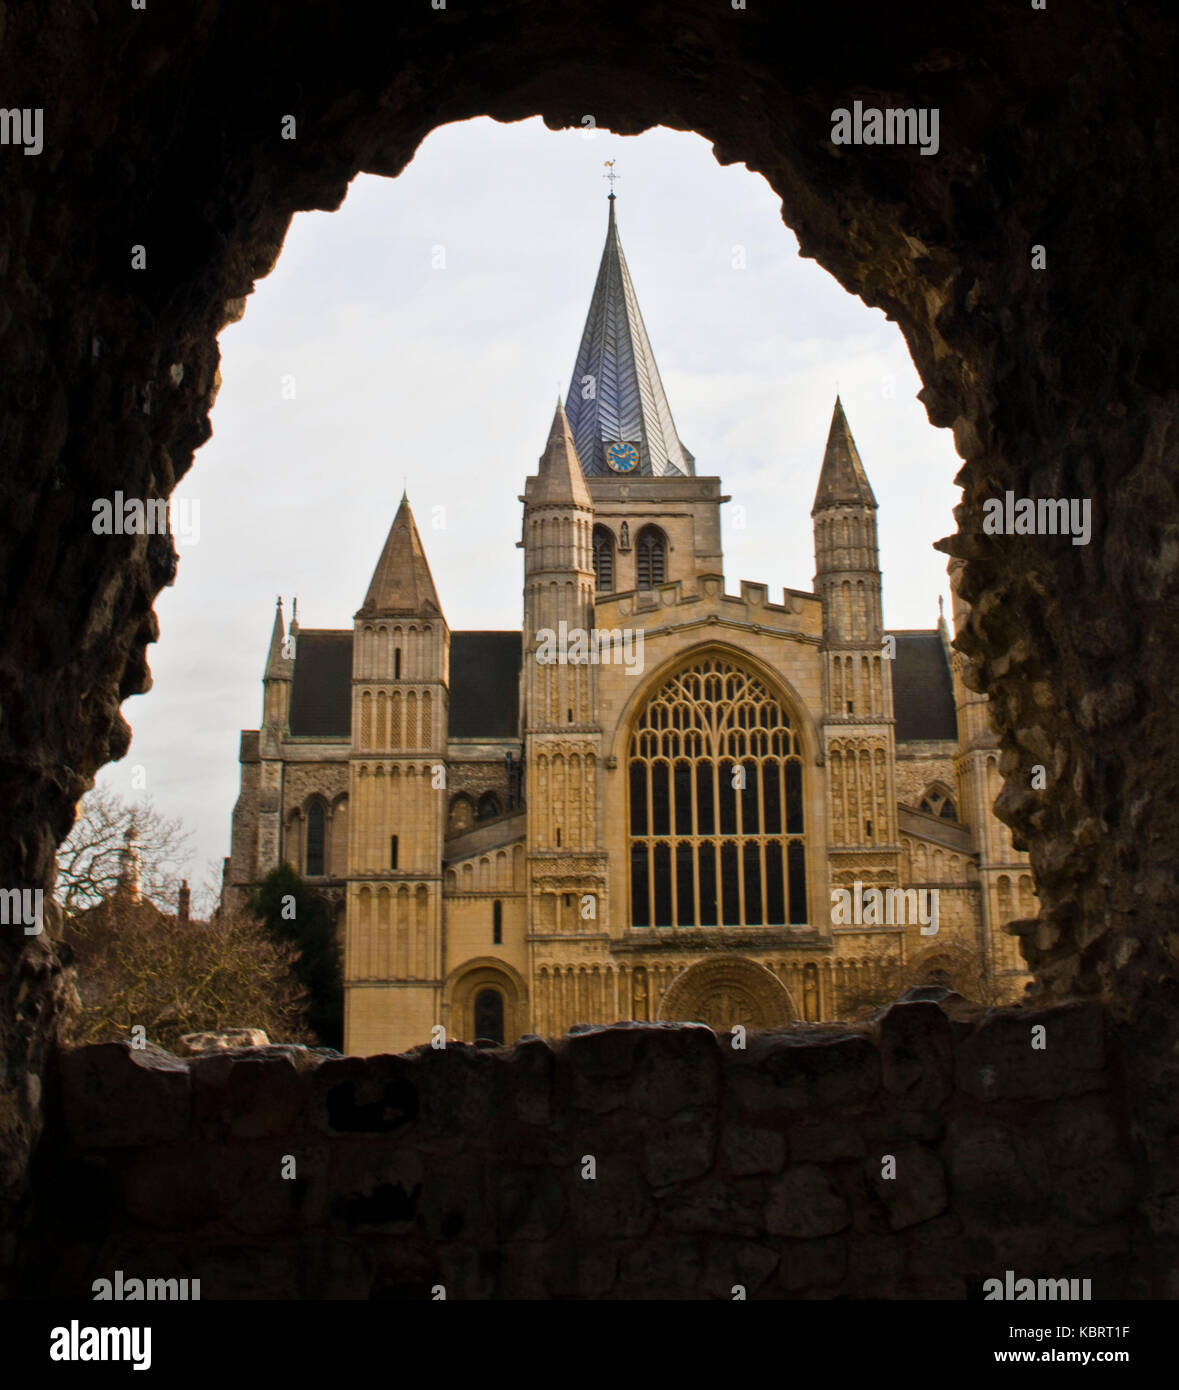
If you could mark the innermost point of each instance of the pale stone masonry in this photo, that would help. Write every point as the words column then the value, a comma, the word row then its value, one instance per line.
column 516, row 845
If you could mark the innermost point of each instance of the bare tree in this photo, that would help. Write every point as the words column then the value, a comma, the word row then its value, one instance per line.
column 956, row 965
column 140, row 967
column 90, row 859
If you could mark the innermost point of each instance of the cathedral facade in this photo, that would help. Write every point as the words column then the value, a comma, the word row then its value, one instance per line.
column 654, row 800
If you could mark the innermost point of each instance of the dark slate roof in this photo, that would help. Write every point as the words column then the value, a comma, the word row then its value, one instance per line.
column 321, row 695
column 485, row 684
column 922, row 688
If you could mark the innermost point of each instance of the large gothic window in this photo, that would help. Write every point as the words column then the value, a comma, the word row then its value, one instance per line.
column 716, row 804
column 603, row 560
column 651, row 557
column 315, row 840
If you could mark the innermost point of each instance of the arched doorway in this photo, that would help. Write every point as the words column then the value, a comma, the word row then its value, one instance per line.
column 727, row 991
column 485, row 998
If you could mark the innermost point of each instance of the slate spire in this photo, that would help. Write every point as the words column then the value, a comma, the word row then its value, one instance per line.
column 616, row 393
column 842, row 480
column 402, row 583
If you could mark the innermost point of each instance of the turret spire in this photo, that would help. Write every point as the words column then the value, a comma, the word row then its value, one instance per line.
column 842, row 480
column 277, row 666
column 559, row 477
column 401, row 582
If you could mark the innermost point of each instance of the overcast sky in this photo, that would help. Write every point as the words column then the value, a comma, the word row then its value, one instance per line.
column 427, row 328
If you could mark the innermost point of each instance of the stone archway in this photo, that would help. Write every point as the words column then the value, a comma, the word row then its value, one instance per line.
column 725, row 991
column 461, row 993
column 1054, row 384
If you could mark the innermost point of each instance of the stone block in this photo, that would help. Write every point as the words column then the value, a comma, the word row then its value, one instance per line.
column 366, row 1095
column 679, row 1149
column 917, row 1192
column 720, row 1208
column 1091, row 1195
column 996, row 1060
column 614, row 1205
column 245, row 1097
column 661, row 1269
column 1073, row 1132
column 916, row 1054
column 524, row 1079
column 811, row 1263
column 738, row 1262
column 244, row 1272
column 455, row 1203
column 118, row 1096
column 998, row 1174
column 233, row 1037
column 677, row 1067
column 174, row 1189
column 825, row 1141
column 804, row 1203
column 749, row 1149
column 876, row 1266
column 785, row 1072
column 529, row 1203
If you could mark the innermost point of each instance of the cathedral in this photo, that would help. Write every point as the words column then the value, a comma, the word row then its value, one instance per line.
column 654, row 798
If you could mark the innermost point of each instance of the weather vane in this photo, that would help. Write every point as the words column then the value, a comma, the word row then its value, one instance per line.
column 611, row 175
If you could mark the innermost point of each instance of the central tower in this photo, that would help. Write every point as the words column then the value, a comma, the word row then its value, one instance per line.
column 655, row 521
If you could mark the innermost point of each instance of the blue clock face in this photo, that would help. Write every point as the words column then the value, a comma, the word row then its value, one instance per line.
column 622, row 457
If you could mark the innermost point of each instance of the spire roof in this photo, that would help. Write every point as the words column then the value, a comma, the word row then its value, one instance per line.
column 401, row 582
column 277, row 665
column 559, row 477
column 842, row 480
column 627, row 401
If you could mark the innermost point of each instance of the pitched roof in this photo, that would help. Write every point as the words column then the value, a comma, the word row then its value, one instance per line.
column 484, row 685
column 623, row 398
column 842, row 480
column 321, row 695
column 402, row 583
column 559, row 478
column 922, row 688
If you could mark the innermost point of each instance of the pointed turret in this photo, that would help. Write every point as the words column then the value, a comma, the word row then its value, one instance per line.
column 842, row 480
column 278, row 667
column 401, row 582
column 559, row 479
column 279, row 674
column 616, row 395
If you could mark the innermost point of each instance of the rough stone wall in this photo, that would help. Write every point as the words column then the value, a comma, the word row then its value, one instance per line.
column 920, row 764
column 714, row 1166
column 1057, row 382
